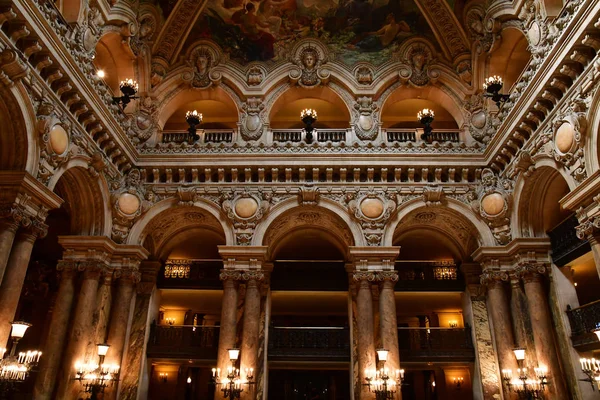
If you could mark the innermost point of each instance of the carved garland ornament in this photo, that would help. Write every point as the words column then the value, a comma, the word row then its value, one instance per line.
column 491, row 201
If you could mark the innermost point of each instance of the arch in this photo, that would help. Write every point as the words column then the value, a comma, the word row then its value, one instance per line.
column 216, row 105
column 19, row 149
column 328, row 216
column 537, row 207
column 87, row 199
column 456, row 220
column 333, row 112
column 510, row 58
column 114, row 59
column 442, row 103
column 164, row 215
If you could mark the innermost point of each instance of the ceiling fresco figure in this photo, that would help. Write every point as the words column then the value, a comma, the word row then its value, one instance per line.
column 355, row 30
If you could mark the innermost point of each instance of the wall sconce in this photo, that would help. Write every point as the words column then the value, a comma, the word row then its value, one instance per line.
column 591, row 368
column 458, row 381
column 163, row 377
column 526, row 385
column 96, row 377
column 170, row 321
column 383, row 385
column 231, row 385
column 189, row 380
column 453, row 324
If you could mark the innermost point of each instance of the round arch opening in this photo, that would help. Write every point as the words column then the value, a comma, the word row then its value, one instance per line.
column 113, row 59
column 511, row 58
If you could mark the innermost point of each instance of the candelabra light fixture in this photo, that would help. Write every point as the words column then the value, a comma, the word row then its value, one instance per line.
column 193, row 118
column 453, row 324
column 591, row 368
column 492, row 87
column 380, row 381
column 526, row 385
column 164, row 376
column 309, row 117
column 170, row 321
column 129, row 89
column 96, row 377
column 458, row 381
column 232, row 385
column 425, row 117
column 16, row 367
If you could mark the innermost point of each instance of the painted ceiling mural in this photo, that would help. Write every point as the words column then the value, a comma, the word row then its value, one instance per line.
column 266, row 30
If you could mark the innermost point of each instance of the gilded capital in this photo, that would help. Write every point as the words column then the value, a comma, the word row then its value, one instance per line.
column 530, row 271
column 489, row 277
column 230, row 275
column 360, row 276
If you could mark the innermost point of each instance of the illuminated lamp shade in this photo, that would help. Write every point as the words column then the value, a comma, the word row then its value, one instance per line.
column 18, row 329
column 597, row 332
column 519, row 354
column 382, row 354
column 234, row 354
column 102, row 349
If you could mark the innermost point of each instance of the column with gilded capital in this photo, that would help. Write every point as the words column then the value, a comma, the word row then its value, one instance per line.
column 364, row 328
column 543, row 328
column 14, row 276
column 249, row 355
column 133, row 377
column 82, row 328
column 10, row 220
column 119, row 319
column 387, row 319
column 57, row 333
column 590, row 230
column 499, row 312
column 227, row 329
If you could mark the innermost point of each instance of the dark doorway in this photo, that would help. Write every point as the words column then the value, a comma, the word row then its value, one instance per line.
column 285, row 384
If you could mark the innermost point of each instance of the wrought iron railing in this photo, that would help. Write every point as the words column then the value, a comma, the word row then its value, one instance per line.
column 183, row 341
column 566, row 246
column 584, row 321
column 435, row 344
column 309, row 343
column 204, row 136
column 429, row 275
column 413, row 135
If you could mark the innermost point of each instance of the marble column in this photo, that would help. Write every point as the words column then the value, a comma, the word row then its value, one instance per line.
column 55, row 341
column 14, row 276
column 101, row 314
column 499, row 312
column 133, row 363
column 119, row 321
column 227, row 329
column 387, row 320
column 251, row 327
column 594, row 241
column 364, row 321
column 82, row 328
column 8, row 230
column 543, row 328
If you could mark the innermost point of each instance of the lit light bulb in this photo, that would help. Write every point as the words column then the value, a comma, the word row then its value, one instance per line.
column 100, row 73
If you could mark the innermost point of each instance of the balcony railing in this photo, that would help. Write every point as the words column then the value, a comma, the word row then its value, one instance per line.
column 584, row 320
column 414, row 135
column 297, row 135
column 183, row 341
column 566, row 246
column 310, row 343
column 190, row 274
column 435, row 344
column 205, row 136
column 429, row 275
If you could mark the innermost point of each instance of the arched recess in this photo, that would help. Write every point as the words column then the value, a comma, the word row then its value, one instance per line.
column 537, row 197
column 86, row 200
column 114, row 60
column 331, row 109
column 453, row 219
column 18, row 144
column 400, row 108
column 168, row 218
column 510, row 59
column 217, row 107
column 592, row 145
column 327, row 216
